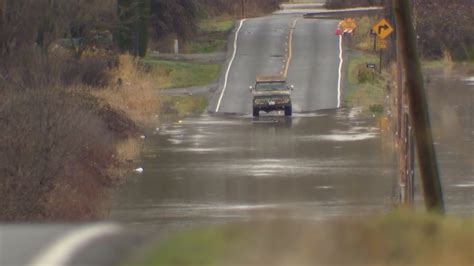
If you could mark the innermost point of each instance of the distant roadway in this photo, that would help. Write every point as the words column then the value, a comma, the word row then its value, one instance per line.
column 262, row 47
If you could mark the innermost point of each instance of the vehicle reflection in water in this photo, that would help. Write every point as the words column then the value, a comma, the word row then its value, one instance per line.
column 214, row 169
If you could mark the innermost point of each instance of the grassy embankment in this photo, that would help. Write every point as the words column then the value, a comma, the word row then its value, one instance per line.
column 394, row 239
column 366, row 88
column 136, row 95
column 211, row 37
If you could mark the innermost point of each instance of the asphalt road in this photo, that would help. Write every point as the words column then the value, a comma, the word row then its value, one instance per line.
column 314, row 68
column 262, row 47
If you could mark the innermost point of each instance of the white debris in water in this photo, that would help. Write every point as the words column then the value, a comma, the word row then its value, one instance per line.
column 138, row 170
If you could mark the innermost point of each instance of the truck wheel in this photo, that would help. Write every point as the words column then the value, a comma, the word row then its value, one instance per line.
column 256, row 112
column 288, row 111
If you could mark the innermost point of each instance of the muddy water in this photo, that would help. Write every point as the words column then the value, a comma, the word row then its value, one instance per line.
column 451, row 98
column 218, row 169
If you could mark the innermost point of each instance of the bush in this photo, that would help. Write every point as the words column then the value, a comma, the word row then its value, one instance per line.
column 88, row 71
column 49, row 135
column 365, row 75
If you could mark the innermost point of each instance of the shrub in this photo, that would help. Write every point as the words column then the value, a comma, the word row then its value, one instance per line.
column 48, row 136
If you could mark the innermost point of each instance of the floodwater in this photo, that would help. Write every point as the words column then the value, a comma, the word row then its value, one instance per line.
column 451, row 98
column 217, row 169
column 214, row 169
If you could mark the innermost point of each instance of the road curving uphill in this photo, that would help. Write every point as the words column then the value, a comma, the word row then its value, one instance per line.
column 306, row 51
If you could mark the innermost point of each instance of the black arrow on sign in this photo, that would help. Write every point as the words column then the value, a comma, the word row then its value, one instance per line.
column 384, row 27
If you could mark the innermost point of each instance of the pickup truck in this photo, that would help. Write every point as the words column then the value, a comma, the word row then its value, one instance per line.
column 271, row 93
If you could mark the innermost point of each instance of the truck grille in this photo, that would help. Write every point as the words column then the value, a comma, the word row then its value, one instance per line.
column 278, row 100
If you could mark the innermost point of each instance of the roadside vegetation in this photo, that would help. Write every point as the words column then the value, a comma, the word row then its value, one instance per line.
column 366, row 87
column 183, row 74
column 75, row 91
column 178, row 107
column 211, row 36
column 400, row 238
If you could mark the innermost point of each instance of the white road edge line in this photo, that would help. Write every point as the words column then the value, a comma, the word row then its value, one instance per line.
column 62, row 250
column 341, row 61
column 230, row 65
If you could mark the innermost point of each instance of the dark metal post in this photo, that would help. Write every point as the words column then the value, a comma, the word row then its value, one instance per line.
column 243, row 8
column 419, row 108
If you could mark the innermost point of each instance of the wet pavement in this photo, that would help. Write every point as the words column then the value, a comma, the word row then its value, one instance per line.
column 214, row 169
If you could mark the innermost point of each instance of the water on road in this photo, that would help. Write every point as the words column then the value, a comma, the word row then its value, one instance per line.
column 218, row 169
column 214, row 169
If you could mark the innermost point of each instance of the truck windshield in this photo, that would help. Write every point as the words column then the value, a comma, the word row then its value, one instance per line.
column 271, row 86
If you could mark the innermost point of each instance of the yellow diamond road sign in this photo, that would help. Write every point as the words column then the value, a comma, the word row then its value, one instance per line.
column 383, row 29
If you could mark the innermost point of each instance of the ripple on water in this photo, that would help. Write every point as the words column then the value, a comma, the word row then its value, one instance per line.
column 340, row 137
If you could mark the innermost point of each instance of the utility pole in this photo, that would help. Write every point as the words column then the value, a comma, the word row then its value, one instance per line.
column 405, row 187
column 243, row 8
column 418, row 107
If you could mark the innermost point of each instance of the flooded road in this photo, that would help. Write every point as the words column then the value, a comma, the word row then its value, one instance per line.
column 219, row 169
column 451, row 99
column 214, row 169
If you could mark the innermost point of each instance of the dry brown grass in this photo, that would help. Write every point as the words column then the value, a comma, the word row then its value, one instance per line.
column 135, row 91
column 128, row 150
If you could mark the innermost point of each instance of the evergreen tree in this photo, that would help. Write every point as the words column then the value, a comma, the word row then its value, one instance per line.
column 132, row 32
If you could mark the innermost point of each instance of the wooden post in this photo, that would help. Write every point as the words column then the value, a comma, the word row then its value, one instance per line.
column 411, row 167
column 419, row 108
column 381, row 53
column 4, row 11
column 375, row 42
